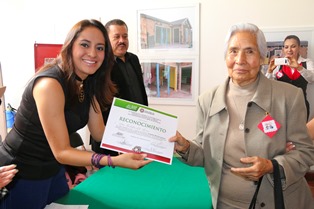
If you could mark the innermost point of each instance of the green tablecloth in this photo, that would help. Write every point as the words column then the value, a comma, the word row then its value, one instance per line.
column 155, row 186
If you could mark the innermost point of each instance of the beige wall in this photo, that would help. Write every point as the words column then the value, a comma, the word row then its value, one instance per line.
column 24, row 22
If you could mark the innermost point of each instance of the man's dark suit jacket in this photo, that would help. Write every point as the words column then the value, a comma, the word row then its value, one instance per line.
column 119, row 79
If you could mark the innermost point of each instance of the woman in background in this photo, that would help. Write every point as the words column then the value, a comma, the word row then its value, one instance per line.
column 60, row 99
column 299, row 71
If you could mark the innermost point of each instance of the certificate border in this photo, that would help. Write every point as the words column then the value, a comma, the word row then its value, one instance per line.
column 164, row 157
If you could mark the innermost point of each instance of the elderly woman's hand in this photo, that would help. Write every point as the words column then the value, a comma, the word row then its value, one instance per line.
column 257, row 168
column 181, row 144
column 6, row 174
column 290, row 146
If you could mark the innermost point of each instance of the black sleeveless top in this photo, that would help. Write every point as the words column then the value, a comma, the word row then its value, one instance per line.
column 26, row 144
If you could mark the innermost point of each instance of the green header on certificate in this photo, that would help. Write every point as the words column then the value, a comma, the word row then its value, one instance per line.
column 126, row 104
column 135, row 106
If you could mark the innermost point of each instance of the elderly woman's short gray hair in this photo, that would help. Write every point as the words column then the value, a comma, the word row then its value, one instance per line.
column 249, row 27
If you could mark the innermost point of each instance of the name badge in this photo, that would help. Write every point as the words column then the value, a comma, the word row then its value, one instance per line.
column 269, row 126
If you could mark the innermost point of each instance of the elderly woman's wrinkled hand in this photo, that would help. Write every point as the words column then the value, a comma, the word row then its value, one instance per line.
column 257, row 168
column 181, row 144
column 290, row 146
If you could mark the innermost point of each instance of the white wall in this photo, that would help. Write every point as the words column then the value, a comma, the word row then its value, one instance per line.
column 24, row 22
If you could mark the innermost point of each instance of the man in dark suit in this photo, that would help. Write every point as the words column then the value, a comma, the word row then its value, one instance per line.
column 126, row 72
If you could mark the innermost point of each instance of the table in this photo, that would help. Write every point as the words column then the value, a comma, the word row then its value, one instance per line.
column 155, row 186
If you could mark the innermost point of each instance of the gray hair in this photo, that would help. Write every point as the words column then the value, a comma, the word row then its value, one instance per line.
column 249, row 27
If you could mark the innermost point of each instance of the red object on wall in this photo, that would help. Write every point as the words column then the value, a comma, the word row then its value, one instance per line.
column 44, row 53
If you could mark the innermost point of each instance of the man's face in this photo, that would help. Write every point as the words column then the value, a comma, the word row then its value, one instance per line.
column 118, row 35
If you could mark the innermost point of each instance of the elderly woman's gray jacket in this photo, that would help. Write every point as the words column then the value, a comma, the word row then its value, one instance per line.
column 284, row 103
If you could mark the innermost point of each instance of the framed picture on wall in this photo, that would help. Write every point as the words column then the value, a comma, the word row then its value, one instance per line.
column 169, row 29
column 168, row 47
column 171, row 81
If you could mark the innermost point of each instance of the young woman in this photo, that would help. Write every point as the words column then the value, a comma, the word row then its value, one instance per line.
column 60, row 99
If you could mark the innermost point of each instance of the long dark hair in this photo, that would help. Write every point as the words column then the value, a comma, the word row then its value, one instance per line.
column 101, row 85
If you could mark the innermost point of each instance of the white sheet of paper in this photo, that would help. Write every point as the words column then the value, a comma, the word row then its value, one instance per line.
column 132, row 127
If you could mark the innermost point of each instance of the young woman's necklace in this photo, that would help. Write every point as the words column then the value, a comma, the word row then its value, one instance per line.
column 81, row 94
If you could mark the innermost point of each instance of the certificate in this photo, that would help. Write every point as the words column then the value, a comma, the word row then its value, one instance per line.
column 132, row 127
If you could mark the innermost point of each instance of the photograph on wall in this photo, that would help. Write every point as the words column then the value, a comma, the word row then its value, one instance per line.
column 169, row 29
column 171, row 81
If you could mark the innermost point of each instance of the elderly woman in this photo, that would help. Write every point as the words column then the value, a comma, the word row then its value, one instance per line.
column 243, row 124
